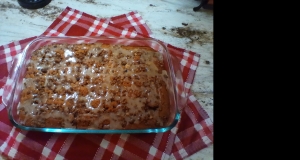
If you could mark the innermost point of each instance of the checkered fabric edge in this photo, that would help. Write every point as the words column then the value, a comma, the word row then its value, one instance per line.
column 183, row 140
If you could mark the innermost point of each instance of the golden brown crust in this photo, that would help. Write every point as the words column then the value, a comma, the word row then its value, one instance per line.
column 164, row 110
column 54, row 122
column 138, row 48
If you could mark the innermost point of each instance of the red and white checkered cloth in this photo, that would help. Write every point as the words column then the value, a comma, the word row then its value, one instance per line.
column 193, row 132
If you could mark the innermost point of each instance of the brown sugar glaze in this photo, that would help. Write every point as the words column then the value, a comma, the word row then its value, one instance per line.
column 95, row 86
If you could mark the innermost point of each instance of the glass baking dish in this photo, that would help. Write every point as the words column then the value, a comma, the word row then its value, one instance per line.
column 18, row 71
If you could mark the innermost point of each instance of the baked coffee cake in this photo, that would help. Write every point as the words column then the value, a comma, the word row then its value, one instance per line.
column 95, row 86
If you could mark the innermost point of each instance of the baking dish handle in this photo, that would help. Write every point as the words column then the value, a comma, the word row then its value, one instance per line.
column 9, row 86
column 181, row 90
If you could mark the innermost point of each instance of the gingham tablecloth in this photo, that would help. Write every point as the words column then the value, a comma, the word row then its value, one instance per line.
column 193, row 132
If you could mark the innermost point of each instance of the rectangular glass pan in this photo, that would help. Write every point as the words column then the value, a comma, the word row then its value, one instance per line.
column 20, row 70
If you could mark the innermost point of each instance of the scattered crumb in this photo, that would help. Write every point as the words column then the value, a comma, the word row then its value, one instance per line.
column 152, row 5
column 207, row 62
column 90, row 1
column 199, row 36
column 163, row 28
column 185, row 24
